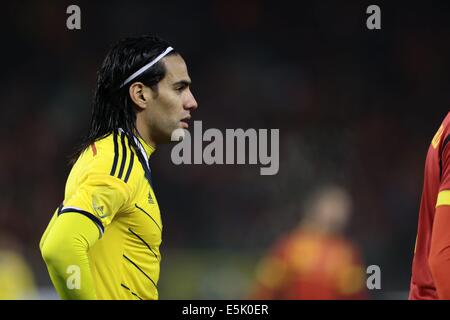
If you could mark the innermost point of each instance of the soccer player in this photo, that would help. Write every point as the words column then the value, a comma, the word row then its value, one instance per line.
column 103, row 240
column 315, row 261
column 430, row 278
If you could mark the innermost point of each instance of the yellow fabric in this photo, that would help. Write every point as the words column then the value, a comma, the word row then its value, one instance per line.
column 443, row 198
column 65, row 251
column 125, row 261
column 437, row 137
column 16, row 276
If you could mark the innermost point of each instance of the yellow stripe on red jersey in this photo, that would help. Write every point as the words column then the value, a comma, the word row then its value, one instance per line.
column 443, row 198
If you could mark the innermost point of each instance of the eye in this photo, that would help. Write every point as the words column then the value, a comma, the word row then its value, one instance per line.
column 180, row 88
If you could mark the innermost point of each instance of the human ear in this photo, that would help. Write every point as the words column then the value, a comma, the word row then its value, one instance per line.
column 138, row 94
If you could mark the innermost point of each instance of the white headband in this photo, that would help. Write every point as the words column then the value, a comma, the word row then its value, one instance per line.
column 147, row 66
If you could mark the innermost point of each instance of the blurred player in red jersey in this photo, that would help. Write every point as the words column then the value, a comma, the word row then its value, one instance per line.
column 314, row 261
column 430, row 270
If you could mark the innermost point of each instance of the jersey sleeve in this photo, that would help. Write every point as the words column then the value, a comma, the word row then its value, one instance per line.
column 99, row 197
column 64, row 247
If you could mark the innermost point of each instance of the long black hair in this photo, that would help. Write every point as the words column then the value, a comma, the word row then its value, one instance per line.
column 112, row 107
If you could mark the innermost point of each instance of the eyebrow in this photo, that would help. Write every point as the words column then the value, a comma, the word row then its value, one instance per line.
column 183, row 83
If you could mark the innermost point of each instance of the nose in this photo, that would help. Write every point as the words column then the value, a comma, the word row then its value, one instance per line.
column 190, row 103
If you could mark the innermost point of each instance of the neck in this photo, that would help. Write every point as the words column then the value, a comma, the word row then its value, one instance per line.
column 318, row 228
column 144, row 132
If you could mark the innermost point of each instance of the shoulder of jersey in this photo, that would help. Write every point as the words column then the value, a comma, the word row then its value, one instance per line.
column 441, row 137
column 114, row 155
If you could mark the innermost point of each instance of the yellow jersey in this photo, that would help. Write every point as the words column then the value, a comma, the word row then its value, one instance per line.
column 110, row 183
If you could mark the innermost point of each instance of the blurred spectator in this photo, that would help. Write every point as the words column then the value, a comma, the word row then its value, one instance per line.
column 315, row 260
column 16, row 276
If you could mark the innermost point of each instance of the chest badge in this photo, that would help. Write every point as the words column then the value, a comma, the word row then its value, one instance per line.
column 150, row 199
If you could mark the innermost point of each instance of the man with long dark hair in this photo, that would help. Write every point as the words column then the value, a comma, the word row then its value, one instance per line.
column 103, row 240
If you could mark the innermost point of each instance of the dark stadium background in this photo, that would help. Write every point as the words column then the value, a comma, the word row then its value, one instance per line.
column 353, row 105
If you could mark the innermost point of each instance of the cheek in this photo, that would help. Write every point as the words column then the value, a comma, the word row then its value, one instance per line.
column 173, row 107
column 168, row 113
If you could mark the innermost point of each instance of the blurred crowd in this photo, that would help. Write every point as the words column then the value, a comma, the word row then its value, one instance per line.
column 354, row 106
